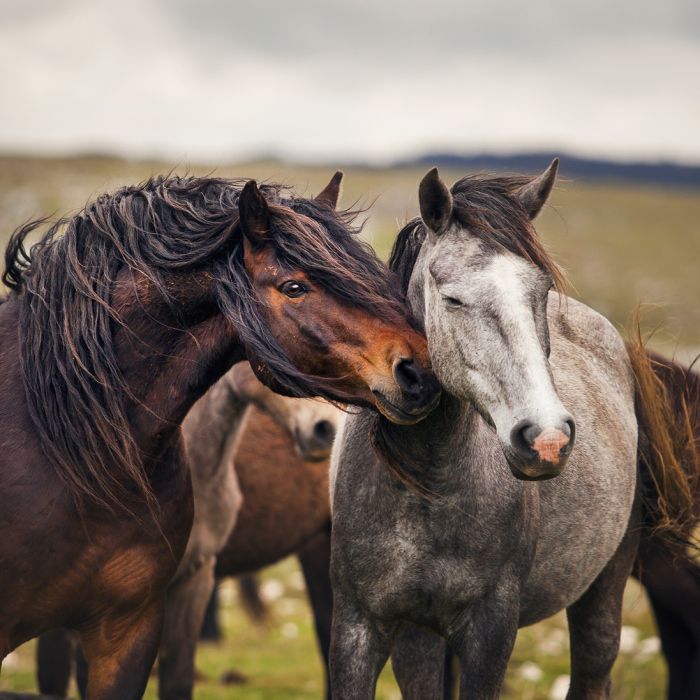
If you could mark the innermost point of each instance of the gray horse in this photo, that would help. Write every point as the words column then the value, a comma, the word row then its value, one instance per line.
column 455, row 545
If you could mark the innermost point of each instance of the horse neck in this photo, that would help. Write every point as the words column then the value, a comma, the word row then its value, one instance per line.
column 212, row 427
column 168, row 364
column 433, row 451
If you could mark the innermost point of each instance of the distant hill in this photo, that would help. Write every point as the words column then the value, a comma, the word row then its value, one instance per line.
column 659, row 173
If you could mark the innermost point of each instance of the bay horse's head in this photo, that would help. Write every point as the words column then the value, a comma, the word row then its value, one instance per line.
column 321, row 315
column 483, row 281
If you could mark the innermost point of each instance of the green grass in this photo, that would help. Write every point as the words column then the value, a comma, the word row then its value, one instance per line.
column 281, row 661
column 620, row 245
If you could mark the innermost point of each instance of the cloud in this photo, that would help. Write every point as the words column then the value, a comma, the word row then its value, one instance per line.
column 215, row 80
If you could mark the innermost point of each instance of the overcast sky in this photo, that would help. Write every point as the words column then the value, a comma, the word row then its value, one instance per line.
column 219, row 80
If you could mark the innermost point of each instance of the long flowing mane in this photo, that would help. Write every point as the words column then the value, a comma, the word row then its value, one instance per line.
column 75, row 390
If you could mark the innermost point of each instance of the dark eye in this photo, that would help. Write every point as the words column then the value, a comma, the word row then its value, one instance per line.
column 451, row 302
column 293, row 289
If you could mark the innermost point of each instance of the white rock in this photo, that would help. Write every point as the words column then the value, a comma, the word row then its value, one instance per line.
column 11, row 660
column 629, row 637
column 530, row 672
column 272, row 590
column 559, row 688
column 648, row 647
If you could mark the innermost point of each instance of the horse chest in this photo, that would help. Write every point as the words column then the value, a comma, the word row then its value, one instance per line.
column 429, row 564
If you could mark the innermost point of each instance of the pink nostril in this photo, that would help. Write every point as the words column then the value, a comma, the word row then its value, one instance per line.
column 549, row 444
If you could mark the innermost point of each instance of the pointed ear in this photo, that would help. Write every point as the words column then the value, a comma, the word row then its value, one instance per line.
column 435, row 202
column 331, row 192
column 534, row 194
column 254, row 213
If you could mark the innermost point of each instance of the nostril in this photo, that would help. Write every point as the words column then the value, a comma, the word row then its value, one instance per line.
column 324, row 431
column 407, row 376
column 523, row 436
column 569, row 429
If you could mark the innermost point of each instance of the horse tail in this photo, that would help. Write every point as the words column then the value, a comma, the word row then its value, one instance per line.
column 251, row 600
column 668, row 412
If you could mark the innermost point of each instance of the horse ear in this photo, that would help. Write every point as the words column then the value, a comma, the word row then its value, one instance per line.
column 534, row 194
column 254, row 213
column 435, row 202
column 331, row 192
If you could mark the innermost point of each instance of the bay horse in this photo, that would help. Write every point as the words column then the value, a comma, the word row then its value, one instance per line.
column 437, row 533
column 212, row 431
column 668, row 572
column 116, row 323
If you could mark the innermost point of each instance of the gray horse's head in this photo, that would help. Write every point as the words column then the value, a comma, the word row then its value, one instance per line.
column 482, row 283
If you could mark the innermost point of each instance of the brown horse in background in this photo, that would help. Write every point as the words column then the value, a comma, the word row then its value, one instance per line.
column 118, row 321
column 285, row 511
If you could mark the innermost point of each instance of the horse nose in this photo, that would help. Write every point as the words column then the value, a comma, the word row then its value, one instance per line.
column 324, row 432
column 418, row 385
column 547, row 447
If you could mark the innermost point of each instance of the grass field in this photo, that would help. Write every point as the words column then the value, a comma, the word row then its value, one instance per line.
column 619, row 245
column 281, row 662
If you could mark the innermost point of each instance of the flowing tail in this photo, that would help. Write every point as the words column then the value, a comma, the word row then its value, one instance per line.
column 668, row 411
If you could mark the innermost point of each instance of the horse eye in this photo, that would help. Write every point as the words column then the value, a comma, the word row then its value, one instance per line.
column 293, row 289
column 451, row 302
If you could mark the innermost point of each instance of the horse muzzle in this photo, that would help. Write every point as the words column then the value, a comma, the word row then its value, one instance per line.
column 415, row 394
column 537, row 453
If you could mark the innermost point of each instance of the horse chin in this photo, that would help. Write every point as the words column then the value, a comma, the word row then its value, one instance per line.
column 533, row 472
column 313, row 455
column 399, row 415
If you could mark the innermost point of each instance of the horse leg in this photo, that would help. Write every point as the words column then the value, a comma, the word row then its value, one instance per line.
column 418, row 660
column 54, row 656
column 595, row 620
column 81, row 672
column 484, row 643
column 672, row 582
column 211, row 632
column 359, row 649
column 186, row 604
column 315, row 560
column 120, row 651
column 679, row 647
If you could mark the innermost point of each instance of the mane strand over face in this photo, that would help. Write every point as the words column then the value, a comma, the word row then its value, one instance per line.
column 309, row 236
column 489, row 209
column 76, row 393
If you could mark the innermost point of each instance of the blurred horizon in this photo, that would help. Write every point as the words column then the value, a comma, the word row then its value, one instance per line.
column 359, row 82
